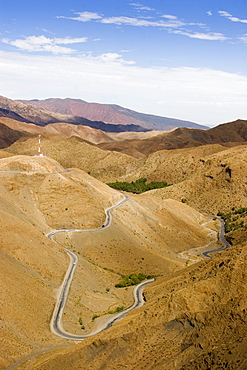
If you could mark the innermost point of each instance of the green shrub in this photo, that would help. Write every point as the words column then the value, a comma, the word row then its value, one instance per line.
column 132, row 279
column 138, row 186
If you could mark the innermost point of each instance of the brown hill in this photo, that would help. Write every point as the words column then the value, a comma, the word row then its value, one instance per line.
column 8, row 135
column 217, row 183
column 172, row 166
column 233, row 133
column 75, row 152
column 65, row 129
column 110, row 113
column 146, row 236
column 210, row 178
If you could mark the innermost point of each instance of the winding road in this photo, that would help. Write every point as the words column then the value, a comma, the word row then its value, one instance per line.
column 56, row 321
column 221, row 238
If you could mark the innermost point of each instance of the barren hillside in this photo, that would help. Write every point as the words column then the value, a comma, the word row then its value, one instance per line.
column 217, row 184
column 210, row 178
column 229, row 134
column 75, row 152
column 8, row 135
column 194, row 316
column 38, row 195
column 65, row 129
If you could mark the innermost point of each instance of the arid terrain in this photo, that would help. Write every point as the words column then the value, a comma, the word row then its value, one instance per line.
column 194, row 315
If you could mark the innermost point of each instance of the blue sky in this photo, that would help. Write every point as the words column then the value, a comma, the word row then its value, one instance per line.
column 180, row 59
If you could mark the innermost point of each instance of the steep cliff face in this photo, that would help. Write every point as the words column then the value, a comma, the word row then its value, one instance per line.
column 196, row 320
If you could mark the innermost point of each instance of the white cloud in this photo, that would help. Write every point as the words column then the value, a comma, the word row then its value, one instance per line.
column 167, row 21
column 201, row 95
column 172, row 23
column 210, row 36
column 169, row 16
column 209, row 12
column 142, row 7
column 231, row 17
column 42, row 43
column 113, row 57
column 84, row 17
column 243, row 38
column 69, row 40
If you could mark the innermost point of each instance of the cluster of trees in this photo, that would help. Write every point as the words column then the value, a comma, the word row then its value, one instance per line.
column 132, row 279
column 138, row 186
column 232, row 219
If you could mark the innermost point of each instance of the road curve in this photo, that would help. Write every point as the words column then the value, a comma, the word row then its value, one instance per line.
column 56, row 325
column 221, row 238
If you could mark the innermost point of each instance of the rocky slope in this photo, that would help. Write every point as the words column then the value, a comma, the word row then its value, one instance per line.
column 110, row 113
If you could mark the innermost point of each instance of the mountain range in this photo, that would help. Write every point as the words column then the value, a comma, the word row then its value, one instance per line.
column 110, row 113
column 30, row 114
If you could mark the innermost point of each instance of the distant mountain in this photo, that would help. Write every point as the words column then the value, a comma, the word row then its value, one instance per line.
column 232, row 133
column 110, row 113
column 40, row 116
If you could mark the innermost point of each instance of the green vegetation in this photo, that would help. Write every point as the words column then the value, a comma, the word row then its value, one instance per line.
column 111, row 312
column 235, row 225
column 233, row 220
column 139, row 186
column 118, row 309
column 132, row 279
column 81, row 323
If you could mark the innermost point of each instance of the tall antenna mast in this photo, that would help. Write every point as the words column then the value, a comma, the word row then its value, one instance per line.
column 39, row 150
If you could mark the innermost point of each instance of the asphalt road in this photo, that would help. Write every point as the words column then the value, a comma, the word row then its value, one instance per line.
column 221, row 238
column 56, row 321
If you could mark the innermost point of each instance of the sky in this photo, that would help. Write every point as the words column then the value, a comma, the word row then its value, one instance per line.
column 179, row 59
